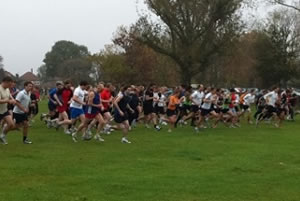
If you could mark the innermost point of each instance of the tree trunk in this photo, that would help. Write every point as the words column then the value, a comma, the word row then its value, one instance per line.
column 186, row 76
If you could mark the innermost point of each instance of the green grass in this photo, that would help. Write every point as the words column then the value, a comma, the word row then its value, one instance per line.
column 216, row 165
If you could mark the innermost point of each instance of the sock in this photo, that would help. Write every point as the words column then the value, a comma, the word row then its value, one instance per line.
column 24, row 138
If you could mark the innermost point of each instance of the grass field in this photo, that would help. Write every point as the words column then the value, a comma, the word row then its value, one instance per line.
column 216, row 165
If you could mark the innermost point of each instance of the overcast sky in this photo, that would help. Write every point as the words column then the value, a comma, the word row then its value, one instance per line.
column 29, row 28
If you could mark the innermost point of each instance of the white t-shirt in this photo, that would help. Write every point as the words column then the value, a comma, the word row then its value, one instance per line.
column 162, row 101
column 205, row 105
column 80, row 94
column 237, row 100
column 249, row 99
column 197, row 97
column 4, row 95
column 24, row 98
column 156, row 97
column 271, row 98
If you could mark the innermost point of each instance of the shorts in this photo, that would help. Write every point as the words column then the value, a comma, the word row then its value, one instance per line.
column 237, row 109
column 148, row 109
column 2, row 116
column 205, row 112
column 120, row 119
column 160, row 110
column 271, row 109
column 195, row 108
column 20, row 118
column 104, row 111
column 224, row 111
column 76, row 112
column 90, row 116
column 245, row 107
column 171, row 113
column 233, row 110
column 218, row 110
column 52, row 107
column 62, row 109
column 10, row 107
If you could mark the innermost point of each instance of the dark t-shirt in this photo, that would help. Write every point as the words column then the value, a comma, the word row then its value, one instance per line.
column 134, row 101
column 148, row 102
column 33, row 98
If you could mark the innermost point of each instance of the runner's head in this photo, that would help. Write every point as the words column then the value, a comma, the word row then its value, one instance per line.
column 28, row 86
column 84, row 85
column 100, row 87
column 59, row 85
column 7, row 82
column 68, row 84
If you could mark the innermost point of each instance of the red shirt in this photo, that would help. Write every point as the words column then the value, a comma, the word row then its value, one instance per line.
column 233, row 99
column 105, row 95
column 37, row 94
column 66, row 96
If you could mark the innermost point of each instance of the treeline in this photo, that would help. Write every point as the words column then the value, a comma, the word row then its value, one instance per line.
column 189, row 41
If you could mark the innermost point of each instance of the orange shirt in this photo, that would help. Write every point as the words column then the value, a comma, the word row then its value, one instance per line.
column 173, row 102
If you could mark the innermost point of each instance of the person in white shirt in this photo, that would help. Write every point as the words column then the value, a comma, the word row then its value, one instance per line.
column 76, row 108
column 248, row 100
column 161, row 105
column 196, row 99
column 5, row 115
column 207, row 109
column 21, row 110
column 272, row 98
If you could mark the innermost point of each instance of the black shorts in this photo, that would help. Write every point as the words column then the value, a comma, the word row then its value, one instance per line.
column 10, row 107
column 160, row 110
column 52, row 107
column 245, row 107
column 271, row 109
column 4, row 115
column 20, row 118
column 120, row 119
column 237, row 109
column 171, row 113
column 218, row 110
column 224, row 111
column 195, row 108
column 205, row 112
column 148, row 109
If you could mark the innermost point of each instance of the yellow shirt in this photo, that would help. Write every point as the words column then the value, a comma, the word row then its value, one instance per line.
column 4, row 95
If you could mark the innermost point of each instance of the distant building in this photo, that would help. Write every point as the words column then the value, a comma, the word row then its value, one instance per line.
column 6, row 73
column 30, row 77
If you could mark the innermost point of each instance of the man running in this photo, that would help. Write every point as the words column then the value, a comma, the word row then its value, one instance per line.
column 21, row 110
column 5, row 99
column 76, row 108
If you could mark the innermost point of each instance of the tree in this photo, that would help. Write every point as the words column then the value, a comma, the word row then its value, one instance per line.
column 2, row 71
column 76, row 69
column 148, row 65
column 191, row 32
column 278, row 48
column 288, row 4
column 61, row 52
column 1, row 62
column 42, row 73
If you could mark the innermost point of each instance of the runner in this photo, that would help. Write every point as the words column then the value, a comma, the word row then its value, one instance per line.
column 5, row 116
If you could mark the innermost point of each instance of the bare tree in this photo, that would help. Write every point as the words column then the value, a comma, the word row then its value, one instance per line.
column 288, row 3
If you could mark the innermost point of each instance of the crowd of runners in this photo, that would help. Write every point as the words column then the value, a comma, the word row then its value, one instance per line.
column 102, row 109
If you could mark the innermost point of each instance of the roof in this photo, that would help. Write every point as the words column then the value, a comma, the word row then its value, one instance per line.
column 29, row 76
column 6, row 73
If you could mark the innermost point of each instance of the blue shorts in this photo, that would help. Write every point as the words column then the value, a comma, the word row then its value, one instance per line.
column 75, row 112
